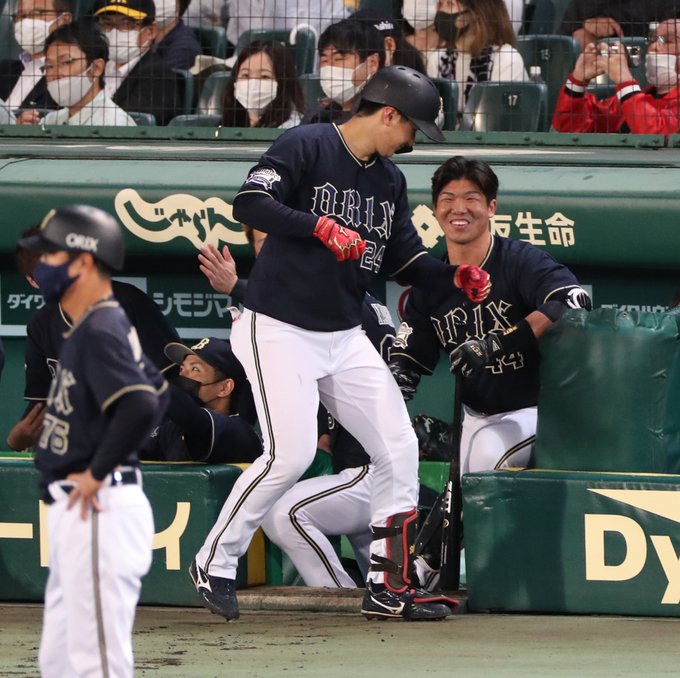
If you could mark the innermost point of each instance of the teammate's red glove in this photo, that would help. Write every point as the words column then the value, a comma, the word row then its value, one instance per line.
column 343, row 242
column 474, row 281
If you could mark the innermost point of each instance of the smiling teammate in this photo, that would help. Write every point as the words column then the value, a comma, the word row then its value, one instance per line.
column 336, row 212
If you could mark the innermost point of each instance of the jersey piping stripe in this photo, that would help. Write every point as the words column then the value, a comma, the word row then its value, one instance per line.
column 358, row 161
column 112, row 303
column 513, row 450
column 559, row 289
column 129, row 389
column 254, row 190
column 408, row 263
column 212, row 432
column 272, row 445
column 488, row 252
column 64, row 317
column 394, row 353
column 101, row 637
column 310, row 500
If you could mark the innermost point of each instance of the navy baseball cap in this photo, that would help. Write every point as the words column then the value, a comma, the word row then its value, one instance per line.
column 216, row 352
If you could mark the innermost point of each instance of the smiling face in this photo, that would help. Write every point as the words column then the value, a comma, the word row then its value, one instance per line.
column 463, row 213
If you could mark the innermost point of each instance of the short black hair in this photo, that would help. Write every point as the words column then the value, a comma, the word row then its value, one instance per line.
column 476, row 171
column 354, row 36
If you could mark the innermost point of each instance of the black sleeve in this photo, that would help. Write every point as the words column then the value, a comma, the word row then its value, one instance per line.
column 238, row 294
column 261, row 211
column 424, row 271
column 36, row 360
column 132, row 417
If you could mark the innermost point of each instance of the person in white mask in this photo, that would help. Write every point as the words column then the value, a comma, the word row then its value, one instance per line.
column 75, row 58
column 263, row 90
column 419, row 17
column 654, row 110
column 350, row 53
column 175, row 41
column 137, row 79
column 22, row 83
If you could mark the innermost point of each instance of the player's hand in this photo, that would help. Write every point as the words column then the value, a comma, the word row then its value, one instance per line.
column 474, row 281
column 406, row 379
column 588, row 66
column 84, row 492
column 343, row 242
column 219, row 269
column 26, row 432
column 475, row 354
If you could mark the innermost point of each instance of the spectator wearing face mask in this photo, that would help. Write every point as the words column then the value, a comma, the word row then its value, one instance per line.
column 22, row 83
column 655, row 110
column 350, row 53
column 137, row 79
column 477, row 45
column 175, row 41
column 263, row 90
column 75, row 59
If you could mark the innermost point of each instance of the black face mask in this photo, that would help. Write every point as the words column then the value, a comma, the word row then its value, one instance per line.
column 190, row 386
column 445, row 25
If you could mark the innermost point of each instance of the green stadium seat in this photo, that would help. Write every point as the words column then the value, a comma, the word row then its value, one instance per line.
column 185, row 84
column 211, row 96
column 506, row 107
column 9, row 48
column 213, row 40
column 142, row 119
column 543, row 16
column 555, row 55
column 303, row 48
column 311, row 89
column 448, row 91
column 195, row 120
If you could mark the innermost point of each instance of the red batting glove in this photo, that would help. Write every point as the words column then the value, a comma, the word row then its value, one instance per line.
column 474, row 281
column 343, row 242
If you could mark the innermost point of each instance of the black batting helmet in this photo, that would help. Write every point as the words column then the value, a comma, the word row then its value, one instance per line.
column 80, row 228
column 413, row 94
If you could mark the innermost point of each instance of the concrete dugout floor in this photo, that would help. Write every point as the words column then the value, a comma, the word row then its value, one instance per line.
column 190, row 642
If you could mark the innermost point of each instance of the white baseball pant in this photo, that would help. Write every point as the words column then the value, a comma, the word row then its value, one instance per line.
column 96, row 566
column 289, row 369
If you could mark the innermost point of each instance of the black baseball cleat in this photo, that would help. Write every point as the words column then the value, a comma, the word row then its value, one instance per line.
column 217, row 593
column 411, row 605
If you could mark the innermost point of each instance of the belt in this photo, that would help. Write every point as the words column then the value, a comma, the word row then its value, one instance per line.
column 62, row 488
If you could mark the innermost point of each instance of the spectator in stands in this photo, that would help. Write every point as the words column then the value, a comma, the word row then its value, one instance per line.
column 202, row 421
column 591, row 20
column 420, row 31
column 137, row 79
column 398, row 52
column 176, row 43
column 655, row 110
column 350, row 52
column 22, row 83
column 75, row 59
column 477, row 45
column 264, row 90
column 45, row 334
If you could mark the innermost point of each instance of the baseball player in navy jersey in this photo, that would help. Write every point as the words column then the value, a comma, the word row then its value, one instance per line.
column 493, row 344
column 336, row 213
column 104, row 400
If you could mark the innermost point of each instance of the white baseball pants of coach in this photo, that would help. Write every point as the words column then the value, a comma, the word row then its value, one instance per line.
column 289, row 369
column 300, row 521
column 96, row 566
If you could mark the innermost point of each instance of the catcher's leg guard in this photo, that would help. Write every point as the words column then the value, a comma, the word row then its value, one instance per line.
column 397, row 598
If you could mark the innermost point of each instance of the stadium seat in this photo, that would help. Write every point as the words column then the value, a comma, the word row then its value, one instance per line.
column 142, row 119
column 213, row 40
column 506, row 107
column 185, row 85
column 555, row 55
column 311, row 89
column 9, row 48
column 211, row 96
column 303, row 48
column 448, row 91
column 195, row 120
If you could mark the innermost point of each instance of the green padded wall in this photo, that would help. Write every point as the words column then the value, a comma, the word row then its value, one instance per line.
column 610, row 393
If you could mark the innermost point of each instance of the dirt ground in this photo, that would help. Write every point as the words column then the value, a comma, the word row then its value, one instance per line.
column 190, row 642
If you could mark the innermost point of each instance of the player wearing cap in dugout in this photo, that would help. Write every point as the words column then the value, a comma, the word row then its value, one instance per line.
column 208, row 415
column 336, row 213
column 104, row 400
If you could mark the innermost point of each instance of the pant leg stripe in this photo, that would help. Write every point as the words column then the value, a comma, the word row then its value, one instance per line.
column 513, row 450
column 272, row 446
column 310, row 500
column 97, row 593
